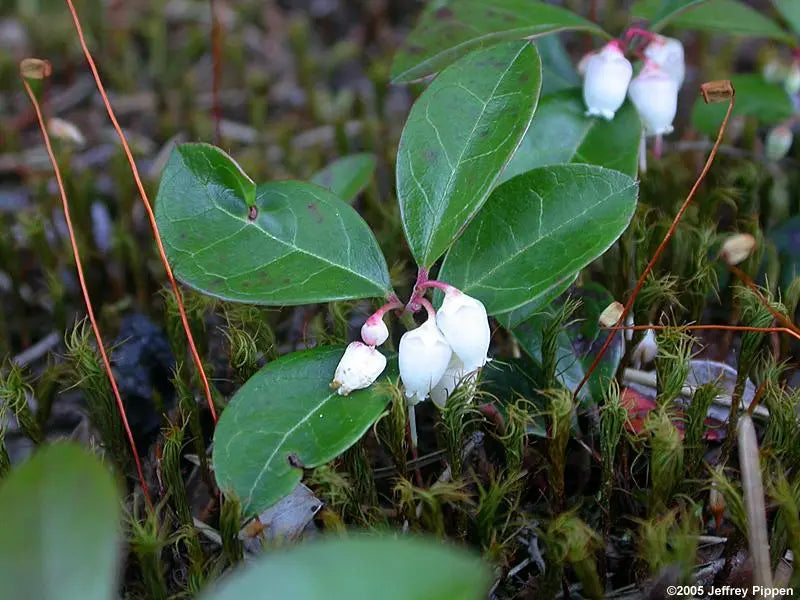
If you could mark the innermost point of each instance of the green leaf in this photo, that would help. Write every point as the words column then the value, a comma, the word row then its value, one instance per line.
column 558, row 71
column 768, row 102
column 459, row 136
column 537, row 229
column 361, row 568
column 347, row 176
column 561, row 133
column 515, row 317
column 60, row 537
column 661, row 12
column 579, row 344
column 284, row 242
column 286, row 416
column 724, row 16
column 449, row 29
column 790, row 11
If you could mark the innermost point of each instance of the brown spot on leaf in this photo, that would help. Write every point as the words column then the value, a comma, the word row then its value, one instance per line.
column 253, row 213
column 314, row 210
column 443, row 13
column 294, row 461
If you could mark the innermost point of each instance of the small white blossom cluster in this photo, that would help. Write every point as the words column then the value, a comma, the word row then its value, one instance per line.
column 445, row 351
column 608, row 77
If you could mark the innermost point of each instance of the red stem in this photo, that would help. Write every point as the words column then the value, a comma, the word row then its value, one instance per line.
column 148, row 208
column 86, row 299
column 663, row 245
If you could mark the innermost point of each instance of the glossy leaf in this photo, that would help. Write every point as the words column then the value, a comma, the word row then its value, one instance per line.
column 347, row 176
column 284, row 242
column 561, row 133
column 755, row 97
column 730, row 17
column 579, row 344
column 286, row 418
column 360, row 568
column 60, row 537
column 790, row 11
column 558, row 71
column 459, row 136
column 449, row 29
column 523, row 313
column 537, row 229
column 661, row 12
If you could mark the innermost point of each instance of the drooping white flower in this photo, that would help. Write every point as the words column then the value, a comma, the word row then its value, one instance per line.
column 423, row 357
column 454, row 375
column 374, row 331
column 606, row 79
column 655, row 95
column 463, row 321
column 667, row 53
column 359, row 367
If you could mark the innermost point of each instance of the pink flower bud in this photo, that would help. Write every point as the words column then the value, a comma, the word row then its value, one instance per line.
column 737, row 248
column 667, row 53
column 463, row 322
column 606, row 79
column 374, row 331
column 655, row 95
column 423, row 358
column 359, row 367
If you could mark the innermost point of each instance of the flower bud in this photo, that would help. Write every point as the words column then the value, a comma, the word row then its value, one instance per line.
column 374, row 331
column 359, row 367
column 779, row 141
column 792, row 82
column 423, row 358
column 646, row 351
column 775, row 71
column 454, row 375
column 611, row 314
column 606, row 80
column 737, row 248
column 655, row 96
column 463, row 322
column 667, row 53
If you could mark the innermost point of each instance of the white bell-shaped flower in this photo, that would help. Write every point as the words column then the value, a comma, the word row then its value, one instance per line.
column 655, row 95
column 423, row 358
column 463, row 321
column 374, row 331
column 455, row 375
column 359, row 367
column 606, row 78
column 779, row 142
column 667, row 53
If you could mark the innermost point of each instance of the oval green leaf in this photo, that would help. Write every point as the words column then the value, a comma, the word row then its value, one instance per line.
column 347, row 176
column 458, row 138
column 755, row 97
column 398, row 569
column 518, row 315
column 661, row 12
column 280, row 243
column 538, row 228
column 60, row 537
column 723, row 16
column 447, row 30
column 561, row 133
column 790, row 11
column 286, row 418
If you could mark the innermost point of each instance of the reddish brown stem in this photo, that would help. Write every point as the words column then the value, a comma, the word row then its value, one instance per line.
column 85, row 291
column 785, row 330
column 781, row 318
column 665, row 241
column 148, row 208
